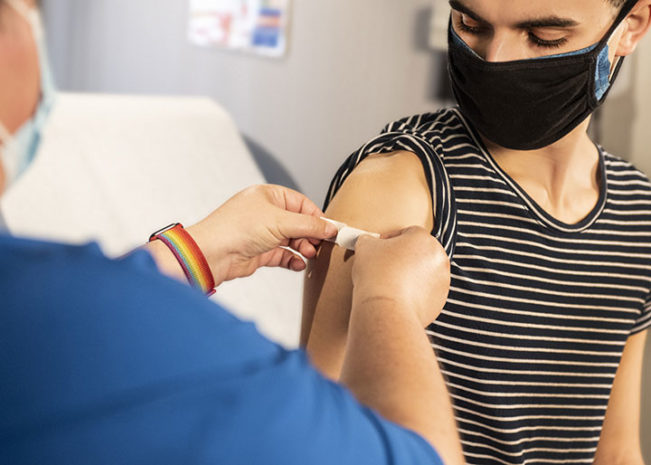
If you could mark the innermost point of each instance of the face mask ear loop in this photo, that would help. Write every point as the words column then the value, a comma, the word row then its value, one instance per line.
column 5, row 136
column 21, row 8
column 29, row 14
column 618, row 64
column 6, row 141
column 619, row 21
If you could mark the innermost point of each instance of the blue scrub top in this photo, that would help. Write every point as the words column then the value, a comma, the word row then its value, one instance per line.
column 109, row 362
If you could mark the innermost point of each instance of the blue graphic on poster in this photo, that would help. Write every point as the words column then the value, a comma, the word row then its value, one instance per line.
column 259, row 26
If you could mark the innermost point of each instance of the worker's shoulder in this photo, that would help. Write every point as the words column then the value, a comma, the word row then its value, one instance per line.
column 49, row 256
column 77, row 286
column 21, row 253
column 65, row 274
column 385, row 192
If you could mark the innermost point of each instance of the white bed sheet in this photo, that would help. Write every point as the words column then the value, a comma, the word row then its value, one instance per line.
column 115, row 168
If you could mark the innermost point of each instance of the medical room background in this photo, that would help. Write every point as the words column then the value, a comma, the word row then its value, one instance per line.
column 349, row 68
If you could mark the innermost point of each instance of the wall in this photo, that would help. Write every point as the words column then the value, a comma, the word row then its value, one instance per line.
column 352, row 67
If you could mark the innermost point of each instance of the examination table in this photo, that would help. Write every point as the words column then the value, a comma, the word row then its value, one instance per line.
column 113, row 169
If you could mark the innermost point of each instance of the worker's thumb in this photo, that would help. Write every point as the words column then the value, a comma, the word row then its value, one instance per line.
column 297, row 226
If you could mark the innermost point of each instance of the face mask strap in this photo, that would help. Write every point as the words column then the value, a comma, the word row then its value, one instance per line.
column 619, row 20
column 5, row 135
column 613, row 76
column 6, row 160
column 29, row 14
column 21, row 8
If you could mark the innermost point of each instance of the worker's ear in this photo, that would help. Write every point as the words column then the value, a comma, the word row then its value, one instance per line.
column 636, row 25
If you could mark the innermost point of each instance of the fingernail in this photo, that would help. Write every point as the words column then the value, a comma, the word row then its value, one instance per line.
column 331, row 230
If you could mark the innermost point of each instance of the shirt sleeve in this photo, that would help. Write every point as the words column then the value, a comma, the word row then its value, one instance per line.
column 290, row 414
column 644, row 320
column 409, row 135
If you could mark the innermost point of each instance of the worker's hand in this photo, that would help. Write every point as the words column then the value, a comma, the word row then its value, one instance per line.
column 248, row 231
column 410, row 268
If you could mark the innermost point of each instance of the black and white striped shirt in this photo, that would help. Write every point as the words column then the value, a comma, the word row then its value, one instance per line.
column 539, row 311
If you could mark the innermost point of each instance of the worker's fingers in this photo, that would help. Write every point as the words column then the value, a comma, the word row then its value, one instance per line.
column 298, row 226
column 296, row 264
column 283, row 258
column 294, row 202
column 304, row 246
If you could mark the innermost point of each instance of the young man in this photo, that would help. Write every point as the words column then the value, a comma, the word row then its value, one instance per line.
column 109, row 361
column 549, row 236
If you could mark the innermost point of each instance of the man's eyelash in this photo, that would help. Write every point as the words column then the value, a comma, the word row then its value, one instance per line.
column 469, row 29
column 534, row 39
column 546, row 43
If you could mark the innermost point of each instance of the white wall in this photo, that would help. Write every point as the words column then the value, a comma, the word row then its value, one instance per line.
column 352, row 67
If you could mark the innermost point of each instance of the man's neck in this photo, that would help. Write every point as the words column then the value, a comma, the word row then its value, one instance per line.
column 563, row 178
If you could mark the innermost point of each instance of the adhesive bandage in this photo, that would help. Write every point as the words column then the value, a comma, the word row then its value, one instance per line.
column 347, row 236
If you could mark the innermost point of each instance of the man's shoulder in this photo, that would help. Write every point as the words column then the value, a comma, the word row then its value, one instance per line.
column 384, row 193
column 431, row 123
column 628, row 195
column 389, row 183
column 624, row 175
column 617, row 163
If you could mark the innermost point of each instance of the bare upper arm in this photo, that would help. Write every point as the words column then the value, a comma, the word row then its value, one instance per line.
column 383, row 194
column 620, row 437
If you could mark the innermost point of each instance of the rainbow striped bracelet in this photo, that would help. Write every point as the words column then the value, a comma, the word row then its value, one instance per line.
column 189, row 255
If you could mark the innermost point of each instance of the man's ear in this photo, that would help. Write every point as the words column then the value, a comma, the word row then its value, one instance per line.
column 637, row 25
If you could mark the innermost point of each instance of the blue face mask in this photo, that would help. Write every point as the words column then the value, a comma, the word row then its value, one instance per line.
column 19, row 150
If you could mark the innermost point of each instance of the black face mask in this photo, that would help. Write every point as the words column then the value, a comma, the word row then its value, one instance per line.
column 530, row 104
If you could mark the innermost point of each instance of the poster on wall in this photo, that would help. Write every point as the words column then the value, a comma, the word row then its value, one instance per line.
column 258, row 26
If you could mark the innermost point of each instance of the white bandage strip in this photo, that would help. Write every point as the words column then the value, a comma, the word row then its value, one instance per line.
column 347, row 237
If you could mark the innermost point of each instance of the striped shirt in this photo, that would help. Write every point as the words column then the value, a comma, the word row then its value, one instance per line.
column 539, row 311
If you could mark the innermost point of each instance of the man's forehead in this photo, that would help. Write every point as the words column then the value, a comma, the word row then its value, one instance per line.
column 512, row 12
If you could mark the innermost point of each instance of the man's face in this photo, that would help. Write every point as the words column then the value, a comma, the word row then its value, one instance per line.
column 507, row 30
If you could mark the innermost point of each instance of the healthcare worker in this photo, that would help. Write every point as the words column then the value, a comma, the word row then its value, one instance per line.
column 111, row 361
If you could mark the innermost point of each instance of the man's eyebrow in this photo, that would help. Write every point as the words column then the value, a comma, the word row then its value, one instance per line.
column 551, row 21
column 460, row 7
